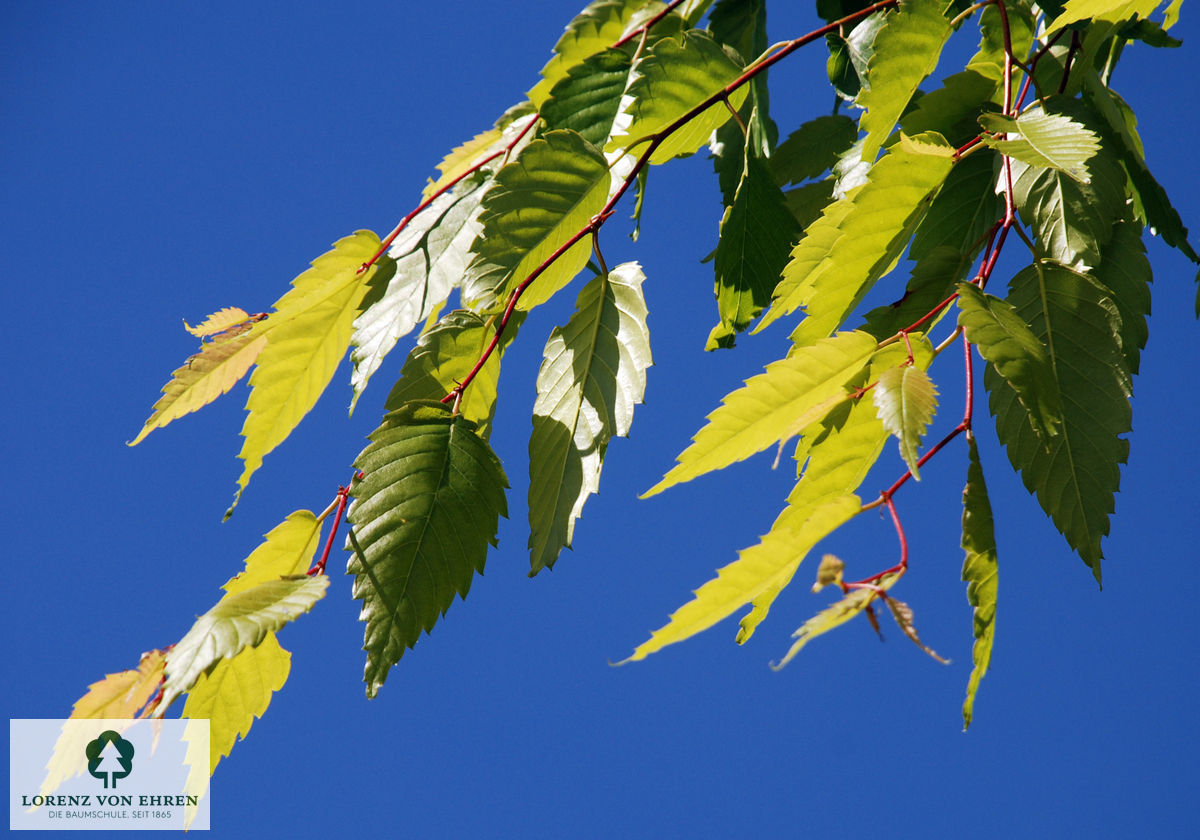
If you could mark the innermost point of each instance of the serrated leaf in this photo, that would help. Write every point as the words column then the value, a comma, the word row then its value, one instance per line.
column 1015, row 27
column 812, row 149
column 1071, row 220
column 592, row 375
column 213, row 371
column 287, row 550
column 1125, row 272
column 756, row 236
column 835, row 456
column 123, row 694
column 486, row 146
column 765, row 567
column 675, row 77
column 979, row 572
column 1041, row 137
column 443, row 357
column 829, row 573
column 951, row 109
column 218, row 322
column 906, row 50
column 963, row 211
column 540, row 201
column 1019, row 357
column 588, row 99
column 906, row 400
column 600, row 25
column 424, row 513
column 1110, row 11
column 775, row 405
column 834, row 616
column 807, row 203
column 235, row 692
column 431, row 255
column 932, row 282
column 239, row 620
column 309, row 333
column 903, row 615
column 858, row 238
column 1076, row 479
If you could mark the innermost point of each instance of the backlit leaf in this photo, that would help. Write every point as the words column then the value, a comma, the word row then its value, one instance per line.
column 496, row 146
column 424, row 513
column 812, row 149
column 1125, row 272
column 309, row 334
column 588, row 99
column 775, row 405
column 540, row 201
column 963, row 211
column 951, row 110
column 1042, row 137
column 218, row 322
column 1111, row 11
column 906, row 399
column 123, row 694
column 903, row 614
column 288, row 549
column 235, row 692
column 932, row 282
column 241, row 619
column 835, row 616
column 979, row 572
column 906, row 50
column 592, row 376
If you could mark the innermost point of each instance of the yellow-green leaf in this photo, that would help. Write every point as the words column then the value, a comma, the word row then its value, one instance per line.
column 777, row 404
column 906, row 400
column 309, row 334
column 979, row 572
column 1109, row 11
column 287, row 549
column 235, row 692
column 218, row 322
column 835, row 616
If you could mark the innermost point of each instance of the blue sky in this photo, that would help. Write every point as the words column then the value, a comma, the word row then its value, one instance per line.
column 161, row 161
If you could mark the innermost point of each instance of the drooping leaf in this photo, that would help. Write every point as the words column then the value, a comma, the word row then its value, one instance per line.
column 600, row 25
column 812, row 149
column 857, row 239
column 903, row 614
column 979, row 572
column 487, row 152
column 540, row 201
column 951, row 110
column 995, row 35
column 834, row 616
column 765, row 567
column 676, row 77
column 592, row 376
column 588, row 99
column 213, row 371
column 1125, row 272
column 424, row 513
column 906, row 50
column 218, row 322
column 838, row 452
column 239, row 620
column 932, row 282
column 123, row 694
column 963, row 211
column 1019, row 357
column 1042, row 137
column 1110, row 11
column 756, row 236
column 808, row 202
column 443, row 357
column 775, row 405
column 287, row 550
column 235, row 692
column 431, row 255
column 906, row 400
column 1076, row 479
column 1071, row 221
column 309, row 334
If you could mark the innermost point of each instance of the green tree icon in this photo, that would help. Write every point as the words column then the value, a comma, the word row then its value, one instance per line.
column 110, row 757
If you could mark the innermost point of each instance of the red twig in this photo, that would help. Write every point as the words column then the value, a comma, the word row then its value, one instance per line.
column 343, row 496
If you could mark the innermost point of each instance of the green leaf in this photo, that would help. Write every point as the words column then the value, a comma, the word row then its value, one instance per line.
column 1125, row 272
column 235, row 692
column 443, row 357
column 496, row 146
column 859, row 238
column 431, row 255
column 287, row 550
column 1041, row 137
column 1076, row 479
column 963, row 211
column 906, row 50
column 989, row 60
column 588, row 99
column 539, row 202
column 906, row 400
column 1109, row 11
column 1019, row 357
column 775, row 405
column 675, row 78
column 979, row 572
column 600, row 25
column 240, row 619
column 307, row 336
column 951, row 109
column 807, row 203
column 762, row 568
column 756, row 236
column 839, row 452
column 834, row 616
column 812, row 149
column 424, row 512
column 1071, row 220
column 592, row 376
column 932, row 282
